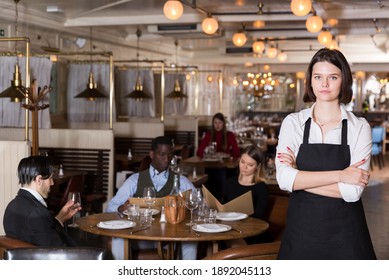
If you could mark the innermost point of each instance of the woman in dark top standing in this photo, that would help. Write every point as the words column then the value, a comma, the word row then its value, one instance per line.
column 249, row 179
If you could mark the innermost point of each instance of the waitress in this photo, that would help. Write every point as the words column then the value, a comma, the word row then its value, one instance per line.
column 323, row 158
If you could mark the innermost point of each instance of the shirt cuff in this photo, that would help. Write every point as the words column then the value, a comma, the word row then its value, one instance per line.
column 59, row 221
column 286, row 178
column 350, row 193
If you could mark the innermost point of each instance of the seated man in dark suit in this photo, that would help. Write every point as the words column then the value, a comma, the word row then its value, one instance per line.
column 27, row 217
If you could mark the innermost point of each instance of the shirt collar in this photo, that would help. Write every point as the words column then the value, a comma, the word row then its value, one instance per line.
column 308, row 113
column 154, row 172
column 36, row 195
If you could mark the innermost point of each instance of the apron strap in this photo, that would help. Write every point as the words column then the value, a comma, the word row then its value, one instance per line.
column 344, row 132
column 307, row 128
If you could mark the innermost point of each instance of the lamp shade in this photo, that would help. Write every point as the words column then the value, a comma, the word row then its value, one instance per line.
column 173, row 9
column 138, row 92
column 176, row 93
column 314, row 24
column 209, row 25
column 239, row 39
column 13, row 91
column 301, row 8
column 91, row 92
column 324, row 37
column 258, row 47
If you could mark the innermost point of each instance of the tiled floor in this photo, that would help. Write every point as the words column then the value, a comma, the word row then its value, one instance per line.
column 376, row 203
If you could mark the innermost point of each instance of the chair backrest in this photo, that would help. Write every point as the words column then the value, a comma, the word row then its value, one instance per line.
column 377, row 134
column 145, row 163
column 276, row 216
column 76, row 184
column 184, row 154
column 55, row 253
column 7, row 242
column 261, row 251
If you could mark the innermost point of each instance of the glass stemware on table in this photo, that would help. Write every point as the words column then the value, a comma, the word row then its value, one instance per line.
column 76, row 197
column 149, row 196
column 191, row 202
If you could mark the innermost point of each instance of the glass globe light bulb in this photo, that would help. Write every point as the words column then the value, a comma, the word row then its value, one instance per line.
column 301, row 8
column 173, row 9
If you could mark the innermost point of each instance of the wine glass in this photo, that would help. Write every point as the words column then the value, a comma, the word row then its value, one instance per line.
column 149, row 196
column 191, row 202
column 198, row 193
column 76, row 197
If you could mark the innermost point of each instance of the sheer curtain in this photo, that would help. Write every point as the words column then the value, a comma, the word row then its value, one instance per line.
column 80, row 109
column 174, row 106
column 125, row 83
column 12, row 114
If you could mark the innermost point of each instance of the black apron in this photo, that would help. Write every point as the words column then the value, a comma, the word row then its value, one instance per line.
column 320, row 227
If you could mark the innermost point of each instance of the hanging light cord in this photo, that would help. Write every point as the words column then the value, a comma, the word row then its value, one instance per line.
column 176, row 43
column 90, row 48
column 16, row 30
column 138, row 34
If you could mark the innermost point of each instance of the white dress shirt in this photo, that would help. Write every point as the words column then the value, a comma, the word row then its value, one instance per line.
column 291, row 135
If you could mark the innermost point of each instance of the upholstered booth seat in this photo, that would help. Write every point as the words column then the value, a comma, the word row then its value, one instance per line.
column 54, row 253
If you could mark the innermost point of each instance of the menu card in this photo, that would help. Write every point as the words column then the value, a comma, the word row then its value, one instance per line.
column 242, row 204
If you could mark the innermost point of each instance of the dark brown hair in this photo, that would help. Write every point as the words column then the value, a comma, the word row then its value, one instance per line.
column 336, row 58
column 31, row 167
column 220, row 117
column 256, row 154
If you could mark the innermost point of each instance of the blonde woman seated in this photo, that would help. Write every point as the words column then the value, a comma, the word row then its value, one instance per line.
column 249, row 179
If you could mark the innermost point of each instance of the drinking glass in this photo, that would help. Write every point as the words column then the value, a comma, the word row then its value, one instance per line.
column 149, row 196
column 76, row 197
column 191, row 202
column 133, row 212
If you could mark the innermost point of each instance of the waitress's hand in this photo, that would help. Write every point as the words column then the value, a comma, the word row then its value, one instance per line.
column 354, row 175
column 287, row 158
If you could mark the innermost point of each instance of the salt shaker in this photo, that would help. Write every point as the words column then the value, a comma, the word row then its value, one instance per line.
column 60, row 173
column 129, row 154
column 163, row 217
column 194, row 175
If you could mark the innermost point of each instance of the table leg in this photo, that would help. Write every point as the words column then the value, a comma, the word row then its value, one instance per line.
column 127, row 249
column 215, row 246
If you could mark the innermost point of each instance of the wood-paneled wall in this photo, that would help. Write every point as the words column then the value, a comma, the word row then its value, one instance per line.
column 11, row 152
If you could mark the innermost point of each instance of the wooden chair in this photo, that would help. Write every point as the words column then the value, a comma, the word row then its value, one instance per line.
column 276, row 216
column 7, row 242
column 262, row 251
column 55, row 253
column 145, row 163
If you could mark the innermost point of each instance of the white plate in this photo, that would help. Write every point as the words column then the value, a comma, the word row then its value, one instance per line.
column 116, row 224
column 211, row 228
column 231, row 216
column 153, row 211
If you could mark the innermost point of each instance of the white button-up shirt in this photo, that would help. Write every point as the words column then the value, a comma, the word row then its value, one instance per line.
column 291, row 135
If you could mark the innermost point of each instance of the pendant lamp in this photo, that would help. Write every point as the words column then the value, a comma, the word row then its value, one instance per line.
column 14, row 91
column 173, row 9
column 138, row 94
column 176, row 93
column 300, row 8
column 91, row 92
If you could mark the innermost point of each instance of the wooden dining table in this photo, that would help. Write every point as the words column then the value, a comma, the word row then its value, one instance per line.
column 170, row 233
column 229, row 162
